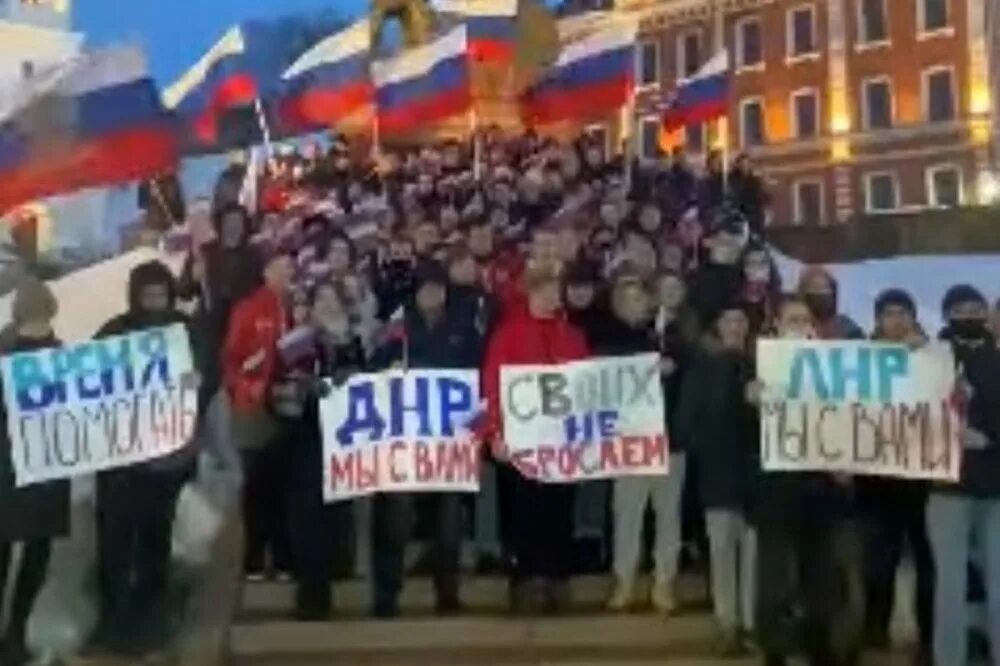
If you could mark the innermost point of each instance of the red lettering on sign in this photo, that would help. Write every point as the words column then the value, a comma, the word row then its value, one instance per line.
column 655, row 450
column 396, row 467
column 424, row 465
column 632, row 451
column 546, row 458
column 342, row 471
column 609, row 455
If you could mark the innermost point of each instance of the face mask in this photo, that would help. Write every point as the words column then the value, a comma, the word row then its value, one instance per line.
column 822, row 306
column 968, row 329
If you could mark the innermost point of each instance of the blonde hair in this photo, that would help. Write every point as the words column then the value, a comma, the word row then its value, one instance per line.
column 33, row 301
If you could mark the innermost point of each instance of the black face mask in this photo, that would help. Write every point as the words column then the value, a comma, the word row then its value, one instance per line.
column 822, row 306
column 967, row 329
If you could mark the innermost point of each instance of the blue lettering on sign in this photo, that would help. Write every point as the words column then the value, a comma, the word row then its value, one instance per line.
column 840, row 374
column 456, row 402
column 92, row 370
column 420, row 407
column 590, row 427
column 362, row 414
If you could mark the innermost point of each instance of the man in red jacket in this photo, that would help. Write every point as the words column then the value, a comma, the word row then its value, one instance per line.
column 542, row 514
column 250, row 351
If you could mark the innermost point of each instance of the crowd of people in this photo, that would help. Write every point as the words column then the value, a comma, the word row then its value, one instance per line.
column 540, row 253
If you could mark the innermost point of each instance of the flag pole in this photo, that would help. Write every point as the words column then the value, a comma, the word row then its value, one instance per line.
column 477, row 146
column 265, row 129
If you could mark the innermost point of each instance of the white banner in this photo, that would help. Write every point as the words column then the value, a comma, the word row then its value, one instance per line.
column 859, row 407
column 400, row 431
column 100, row 404
column 594, row 419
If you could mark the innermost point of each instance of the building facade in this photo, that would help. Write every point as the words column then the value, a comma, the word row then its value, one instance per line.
column 848, row 107
column 34, row 35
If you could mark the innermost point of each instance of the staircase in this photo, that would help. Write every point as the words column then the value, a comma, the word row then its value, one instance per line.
column 483, row 636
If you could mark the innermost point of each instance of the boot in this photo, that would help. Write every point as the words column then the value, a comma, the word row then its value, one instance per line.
column 622, row 597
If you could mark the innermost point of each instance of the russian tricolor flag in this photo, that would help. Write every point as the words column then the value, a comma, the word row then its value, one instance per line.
column 704, row 97
column 491, row 25
column 592, row 77
column 222, row 79
column 423, row 85
column 96, row 120
column 330, row 83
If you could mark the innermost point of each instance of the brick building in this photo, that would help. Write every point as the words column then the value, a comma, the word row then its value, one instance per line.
column 849, row 107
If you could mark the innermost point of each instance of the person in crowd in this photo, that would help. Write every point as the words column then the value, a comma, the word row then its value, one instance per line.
column 216, row 276
column 434, row 337
column 894, row 509
column 746, row 189
column 820, row 292
column 541, row 513
column 681, row 182
column 336, row 353
column 394, row 277
column 466, row 296
column 715, row 281
column 969, row 509
column 629, row 332
column 250, row 362
column 720, row 429
column 136, row 504
column 32, row 515
column 357, row 293
column 583, row 299
column 761, row 284
column 808, row 583
column 712, row 188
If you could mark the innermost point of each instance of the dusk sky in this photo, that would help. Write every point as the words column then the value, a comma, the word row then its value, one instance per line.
column 175, row 33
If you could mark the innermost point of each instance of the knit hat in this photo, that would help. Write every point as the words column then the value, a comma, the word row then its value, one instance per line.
column 431, row 272
column 895, row 298
column 33, row 301
column 959, row 294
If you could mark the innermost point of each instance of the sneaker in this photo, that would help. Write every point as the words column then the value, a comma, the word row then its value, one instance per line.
column 661, row 597
column 622, row 597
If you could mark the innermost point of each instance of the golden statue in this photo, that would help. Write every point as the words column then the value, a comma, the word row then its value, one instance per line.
column 414, row 16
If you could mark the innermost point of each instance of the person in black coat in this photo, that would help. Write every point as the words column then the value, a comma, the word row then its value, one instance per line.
column 721, row 431
column 32, row 515
column 136, row 504
column 957, row 511
column 315, row 528
column 434, row 337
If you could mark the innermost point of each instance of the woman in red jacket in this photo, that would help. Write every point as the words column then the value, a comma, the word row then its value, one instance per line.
column 542, row 518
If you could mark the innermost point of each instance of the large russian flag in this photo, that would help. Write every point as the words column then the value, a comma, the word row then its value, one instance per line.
column 704, row 97
column 94, row 121
column 592, row 77
column 221, row 79
column 423, row 85
column 491, row 26
column 330, row 83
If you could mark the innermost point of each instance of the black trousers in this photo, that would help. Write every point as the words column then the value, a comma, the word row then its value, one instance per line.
column 393, row 521
column 264, row 516
column 315, row 530
column 542, row 530
column 888, row 527
column 810, row 586
column 135, row 515
column 30, row 578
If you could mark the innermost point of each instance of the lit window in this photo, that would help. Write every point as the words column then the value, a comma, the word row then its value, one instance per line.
column 649, row 132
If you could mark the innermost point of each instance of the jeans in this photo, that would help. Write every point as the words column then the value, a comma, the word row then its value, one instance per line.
column 630, row 498
column 733, row 547
column 952, row 522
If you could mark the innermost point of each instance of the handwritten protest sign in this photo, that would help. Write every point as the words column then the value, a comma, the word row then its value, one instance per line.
column 400, row 431
column 859, row 407
column 594, row 419
column 99, row 404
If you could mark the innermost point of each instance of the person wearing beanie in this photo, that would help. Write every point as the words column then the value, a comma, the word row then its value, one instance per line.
column 893, row 510
column 36, row 514
column 957, row 511
column 434, row 335
column 136, row 504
